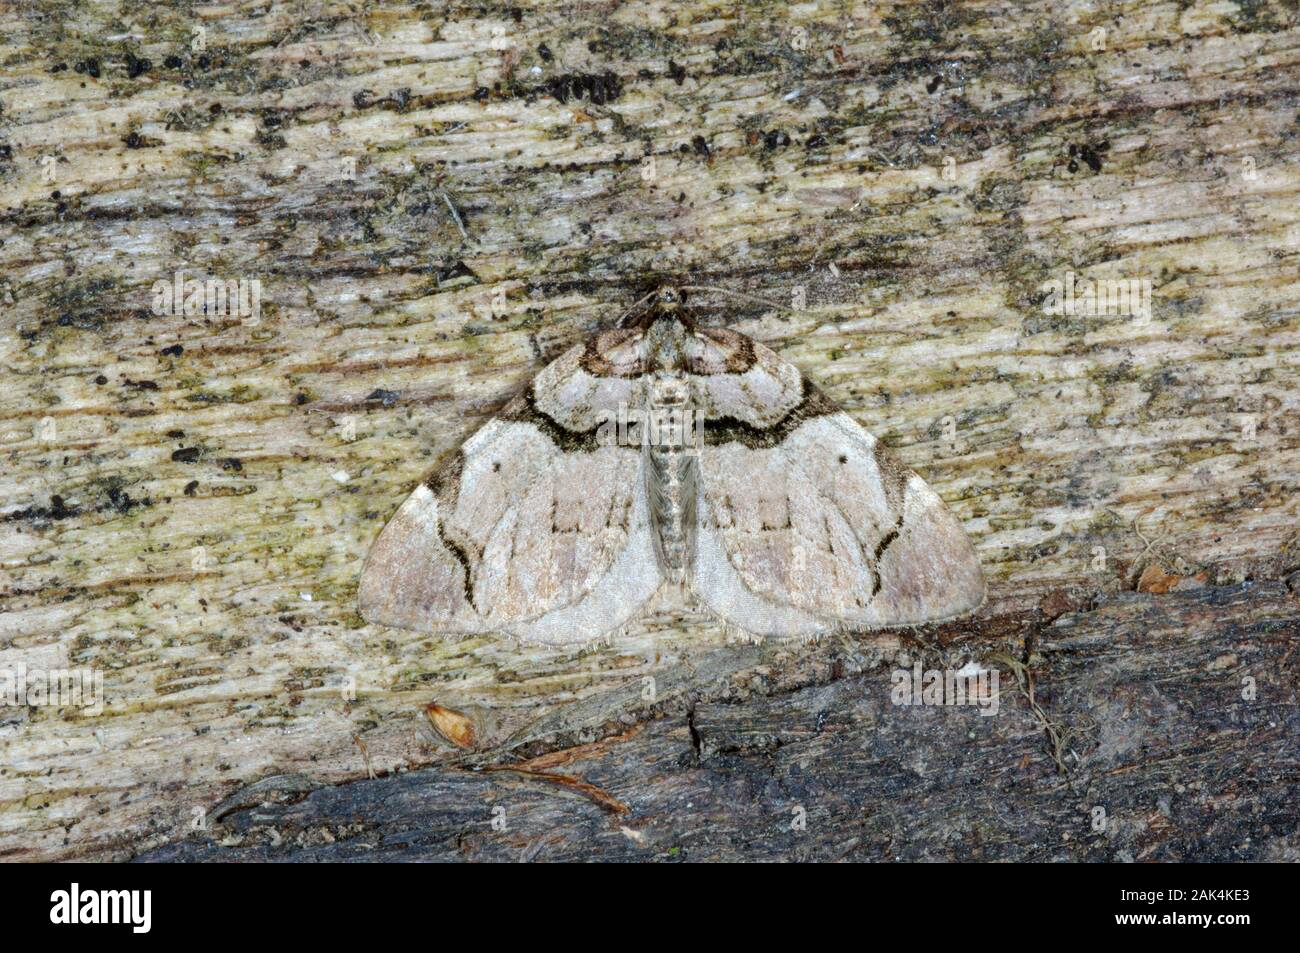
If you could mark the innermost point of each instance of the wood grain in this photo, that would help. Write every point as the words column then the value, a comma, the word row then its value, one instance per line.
column 187, row 498
column 1163, row 761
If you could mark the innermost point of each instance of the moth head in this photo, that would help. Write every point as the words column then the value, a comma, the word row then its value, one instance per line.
column 669, row 298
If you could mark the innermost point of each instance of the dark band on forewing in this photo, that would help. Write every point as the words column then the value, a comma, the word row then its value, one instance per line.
column 727, row 429
column 885, row 542
column 595, row 363
column 444, row 484
column 458, row 553
column 894, row 477
column 739, row 351
column 447, row 478
column 524, row 409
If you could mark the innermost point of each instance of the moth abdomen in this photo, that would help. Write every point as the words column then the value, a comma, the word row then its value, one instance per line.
column 671, row 482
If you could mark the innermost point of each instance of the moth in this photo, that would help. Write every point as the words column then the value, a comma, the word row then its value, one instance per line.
column 667, row 452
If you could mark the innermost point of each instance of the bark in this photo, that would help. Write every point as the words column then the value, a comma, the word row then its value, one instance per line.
column 1138, row 745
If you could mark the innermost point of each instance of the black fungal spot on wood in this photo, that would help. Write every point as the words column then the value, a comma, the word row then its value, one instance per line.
column 268, row 138
column 599, row 88
column 191, row 487
column 85, row 321
column 1090, row 156
column 174, row 350
column 677, row 72
column 775, row 139
column 452, row 272
column 385, row 397
column 187, row 455
column 137, row 66
column 398, row 100
column 1089, row 153
column 57, row 510
column 120, row 500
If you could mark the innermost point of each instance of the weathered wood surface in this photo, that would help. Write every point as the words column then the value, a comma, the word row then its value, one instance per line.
column 1164, row 762
column 783, row 159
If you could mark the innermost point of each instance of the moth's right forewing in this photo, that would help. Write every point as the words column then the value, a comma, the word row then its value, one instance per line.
column 611, row 585
column 412, row 578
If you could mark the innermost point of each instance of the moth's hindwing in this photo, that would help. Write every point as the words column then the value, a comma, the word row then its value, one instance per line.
column 536, row 527
column 806, row 522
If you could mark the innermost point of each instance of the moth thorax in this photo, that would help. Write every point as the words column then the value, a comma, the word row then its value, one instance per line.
column 667, row 391
column 663, row 346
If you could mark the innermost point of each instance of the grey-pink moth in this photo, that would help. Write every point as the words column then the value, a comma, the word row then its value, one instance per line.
column 668, row 452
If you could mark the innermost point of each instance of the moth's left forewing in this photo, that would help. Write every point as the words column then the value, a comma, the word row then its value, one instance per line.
column 812, row 514
column 537, row 527
column 736, row 379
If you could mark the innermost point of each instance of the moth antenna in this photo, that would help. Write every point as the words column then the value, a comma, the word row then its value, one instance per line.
column 737, row 294
column 636, row 304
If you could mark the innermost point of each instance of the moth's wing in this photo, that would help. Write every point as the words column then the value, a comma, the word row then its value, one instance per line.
column 537, row 526
column 805, row 520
